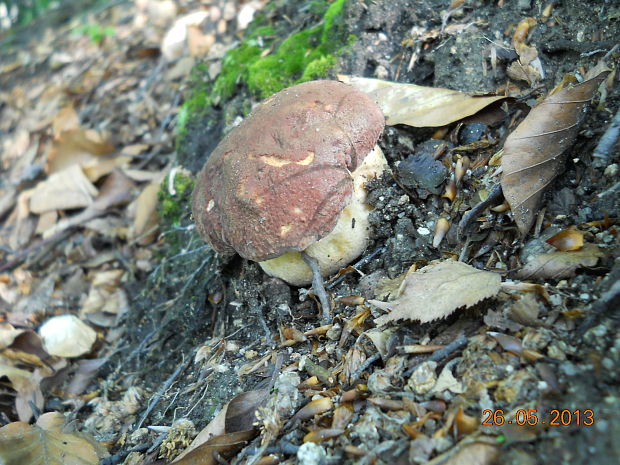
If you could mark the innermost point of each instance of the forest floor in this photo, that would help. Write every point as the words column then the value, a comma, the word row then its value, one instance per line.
column 123, row 336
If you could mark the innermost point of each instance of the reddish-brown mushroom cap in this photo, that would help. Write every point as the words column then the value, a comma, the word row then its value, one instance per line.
column 278, row 182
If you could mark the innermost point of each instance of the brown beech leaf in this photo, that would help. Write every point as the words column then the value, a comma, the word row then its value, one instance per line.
column 556, row 265
column 533, row 151
column 240, row 413
column 419, row 106
column 226, row 445
column 45, row 444
column 436, row 291
column 236, row 417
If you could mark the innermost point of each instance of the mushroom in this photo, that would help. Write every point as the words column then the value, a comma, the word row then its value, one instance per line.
column 290, row 179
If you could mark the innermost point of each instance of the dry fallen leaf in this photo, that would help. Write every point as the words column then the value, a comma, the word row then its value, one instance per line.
column 436, row 291
column 240, row 414
column 45, row 444
column 67, row 336
column 236, row 417
column 556, row 265
column 106, row 302
column 175, row 40
column 84, row 147
column 419, row 106
column 532, row 152
column 8, row 333
column 567, row 240
column 21, row 381
column 529, row 67
column 63, row 190
column 145, row 208
column 226, row 445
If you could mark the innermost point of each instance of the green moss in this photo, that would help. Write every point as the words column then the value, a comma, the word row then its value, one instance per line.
column 333, row 21
column 318, row 68
column 302, row 56
column 174, row 208
column 196, row 102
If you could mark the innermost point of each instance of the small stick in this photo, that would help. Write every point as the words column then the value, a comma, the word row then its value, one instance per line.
column 158, row 396
column 438, row 355
column 494, row 196
column 608, row 140
column 357, row 264
column 318, row 287
column 364, row 366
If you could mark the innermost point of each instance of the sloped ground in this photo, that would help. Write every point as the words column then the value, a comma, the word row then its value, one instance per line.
column 180, row 333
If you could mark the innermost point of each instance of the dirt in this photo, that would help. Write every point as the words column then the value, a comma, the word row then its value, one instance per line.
column 237, row 313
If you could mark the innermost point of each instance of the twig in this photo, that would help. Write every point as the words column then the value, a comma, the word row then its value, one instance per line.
column 607, row 302
column 158, row 396
column 608, row 140
column 318, row 287
column 358, row 264
column 118, row 458
column 22, row 254
column 440, row 354
column 364, row 366
column 494, row 196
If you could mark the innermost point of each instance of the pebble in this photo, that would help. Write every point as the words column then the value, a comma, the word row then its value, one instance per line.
column 611, row 171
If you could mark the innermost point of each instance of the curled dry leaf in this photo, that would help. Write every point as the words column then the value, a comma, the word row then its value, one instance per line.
column 567, row 240
column 419, row 106
column 437, row 290
column 240, row 415
column 533, row 151
column 556, row 265
column 236, row 417
column 67, row 336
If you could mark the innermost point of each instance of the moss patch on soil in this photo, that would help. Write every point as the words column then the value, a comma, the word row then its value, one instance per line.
column 175, row 208
column 302, row 56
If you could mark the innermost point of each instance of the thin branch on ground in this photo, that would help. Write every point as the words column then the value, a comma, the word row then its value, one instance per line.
column 160, row 394
column 318, row 287
column 440, row 354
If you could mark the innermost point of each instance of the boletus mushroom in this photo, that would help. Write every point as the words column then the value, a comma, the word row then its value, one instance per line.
column 290, row 178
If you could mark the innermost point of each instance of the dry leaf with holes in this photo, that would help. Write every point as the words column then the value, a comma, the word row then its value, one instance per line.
column 45, row 443
column 419, row 106
column 556, row 265
column 533, row 151
column 436, row 291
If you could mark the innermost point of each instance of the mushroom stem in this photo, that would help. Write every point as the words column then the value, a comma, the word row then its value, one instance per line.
column 318, row 287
